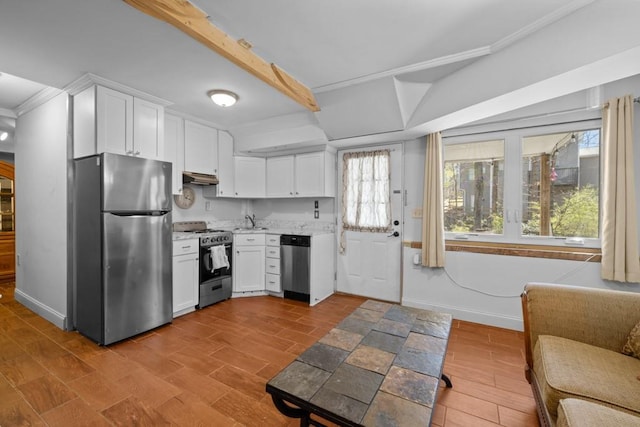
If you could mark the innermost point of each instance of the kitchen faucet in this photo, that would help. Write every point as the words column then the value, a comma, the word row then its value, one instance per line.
column 251, row 218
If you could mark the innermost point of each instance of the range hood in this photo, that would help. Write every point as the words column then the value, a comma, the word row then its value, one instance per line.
column 199, row 178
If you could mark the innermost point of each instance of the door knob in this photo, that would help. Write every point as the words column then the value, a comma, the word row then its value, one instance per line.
column 394, row 234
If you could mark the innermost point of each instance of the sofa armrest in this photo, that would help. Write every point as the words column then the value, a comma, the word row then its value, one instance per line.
column 599, row 317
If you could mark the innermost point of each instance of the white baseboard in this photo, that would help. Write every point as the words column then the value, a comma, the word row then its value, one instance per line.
column 492, row 319
column 53, row 316
column 248, row 294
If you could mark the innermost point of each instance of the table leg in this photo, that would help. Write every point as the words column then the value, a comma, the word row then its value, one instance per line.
column 446, row 380
column 294, row 412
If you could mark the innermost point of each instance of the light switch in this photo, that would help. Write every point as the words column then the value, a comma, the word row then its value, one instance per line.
column 416, row 213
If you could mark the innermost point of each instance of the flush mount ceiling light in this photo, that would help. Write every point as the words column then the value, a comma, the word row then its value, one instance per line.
column 223, row 98
column 4, row 136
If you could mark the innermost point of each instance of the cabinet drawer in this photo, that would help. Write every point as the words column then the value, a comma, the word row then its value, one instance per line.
column 181, row 247
column 272, row 282
column 273, row 240
column 273, row 252
column 248, row 239
column 272, row 265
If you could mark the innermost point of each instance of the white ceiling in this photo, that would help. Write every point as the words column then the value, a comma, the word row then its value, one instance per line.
column 369, row 63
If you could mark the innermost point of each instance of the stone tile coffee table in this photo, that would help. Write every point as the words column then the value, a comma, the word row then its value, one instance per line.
column 379, row 367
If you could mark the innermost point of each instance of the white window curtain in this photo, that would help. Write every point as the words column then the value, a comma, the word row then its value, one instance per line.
column 433, row 247
column 366, row 198
column 620, row 260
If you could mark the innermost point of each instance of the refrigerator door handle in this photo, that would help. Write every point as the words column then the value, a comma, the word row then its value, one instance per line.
column 140, row 214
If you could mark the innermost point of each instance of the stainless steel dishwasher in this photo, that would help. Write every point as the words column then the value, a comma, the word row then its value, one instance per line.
column 295, row 257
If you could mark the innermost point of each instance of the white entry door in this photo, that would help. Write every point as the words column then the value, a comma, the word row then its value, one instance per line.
column 370, row 264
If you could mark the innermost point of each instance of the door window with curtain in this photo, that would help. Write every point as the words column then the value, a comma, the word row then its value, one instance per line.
column 366, row 199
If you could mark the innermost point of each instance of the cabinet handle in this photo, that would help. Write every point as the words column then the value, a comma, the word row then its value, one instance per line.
column 291, row 193
column 272, row 266
column 186, row 247
column 250, row 240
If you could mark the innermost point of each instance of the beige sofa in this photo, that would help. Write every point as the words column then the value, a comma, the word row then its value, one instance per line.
column 573, row 342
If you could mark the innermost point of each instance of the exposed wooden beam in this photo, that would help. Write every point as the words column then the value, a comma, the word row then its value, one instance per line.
column 188, row 18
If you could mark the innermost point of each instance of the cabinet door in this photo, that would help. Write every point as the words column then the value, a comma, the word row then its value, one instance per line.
column 225, row 165
column 114, row 117
column 248, row 264
column 200, row 148
column 185, row 282
column 148, row 129
column 280, row 176
column 310, row 174
column 174, row 149
column 249, row 177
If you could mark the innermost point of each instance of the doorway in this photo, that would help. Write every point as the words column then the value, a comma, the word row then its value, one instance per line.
column 7, row 224
column 370, row 262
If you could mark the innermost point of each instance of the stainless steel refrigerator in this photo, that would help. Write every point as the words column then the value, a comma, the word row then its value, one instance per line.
column 122, row 246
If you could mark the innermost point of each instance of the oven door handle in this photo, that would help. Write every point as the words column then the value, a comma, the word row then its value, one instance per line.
column 207, row 261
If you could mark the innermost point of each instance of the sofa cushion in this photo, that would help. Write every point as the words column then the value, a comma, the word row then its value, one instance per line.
column 565, row 368
column 632, row 346
column 580, row 413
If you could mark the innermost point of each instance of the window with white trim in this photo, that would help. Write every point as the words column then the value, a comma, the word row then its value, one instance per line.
column 536, row 185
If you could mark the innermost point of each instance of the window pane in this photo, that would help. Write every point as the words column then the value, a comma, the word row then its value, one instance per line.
column 561, row 184
column 366, row 192
column 473, row 187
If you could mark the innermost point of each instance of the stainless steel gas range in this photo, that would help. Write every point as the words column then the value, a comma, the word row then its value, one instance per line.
column 215, row 261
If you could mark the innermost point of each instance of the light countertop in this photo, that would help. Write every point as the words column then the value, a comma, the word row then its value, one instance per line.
column 179, row 235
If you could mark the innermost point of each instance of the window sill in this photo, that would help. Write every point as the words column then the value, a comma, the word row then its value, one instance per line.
column 521, row 250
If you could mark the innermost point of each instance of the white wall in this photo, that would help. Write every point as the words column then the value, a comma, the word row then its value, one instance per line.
column 41, row 165
column 494, row 274
column 213, row 210
column 295, row 209
column 221, row 211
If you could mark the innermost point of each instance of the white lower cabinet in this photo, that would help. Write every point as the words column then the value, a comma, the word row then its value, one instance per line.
column 185, row 276
column 248, row 262
column 272, row 263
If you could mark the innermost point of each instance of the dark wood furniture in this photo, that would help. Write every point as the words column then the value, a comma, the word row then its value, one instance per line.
column 380, row 366
column 7, row 223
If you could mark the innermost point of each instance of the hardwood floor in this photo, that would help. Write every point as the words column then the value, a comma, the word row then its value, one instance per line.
column 209, row 368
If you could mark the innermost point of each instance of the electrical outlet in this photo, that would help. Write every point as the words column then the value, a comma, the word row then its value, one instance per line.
column 416, row 213
column 207, row 206
column 316, row 214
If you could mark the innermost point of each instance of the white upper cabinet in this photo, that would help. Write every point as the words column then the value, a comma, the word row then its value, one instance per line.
column 200, row 148
column 249, row 177
column 225, row 165
column 315, row 174
column 106, row 120
column 148, row 130
column 302, row 175
column 114, row 116
column 174, row 149
column 280, row 176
